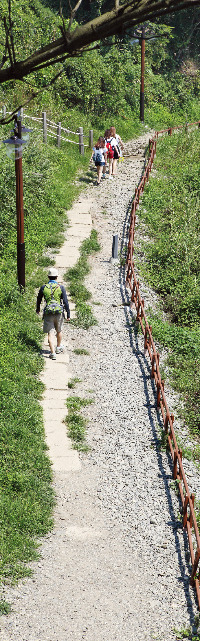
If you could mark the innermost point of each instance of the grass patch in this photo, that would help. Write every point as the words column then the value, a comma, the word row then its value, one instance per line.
column 188, row 633
column 81, row 351
column 170, row 209
column 73, row 381
column 45, row 261
column 76, row 275
column 26, row 495
column 183, row 365
column 5, row 607
column 76, row 423
column 76, row 402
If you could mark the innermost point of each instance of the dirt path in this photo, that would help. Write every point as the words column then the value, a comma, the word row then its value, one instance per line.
column 114, row 568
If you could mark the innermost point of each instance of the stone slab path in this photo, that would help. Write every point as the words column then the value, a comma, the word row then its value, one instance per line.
column 57, row 374
column 115, row 566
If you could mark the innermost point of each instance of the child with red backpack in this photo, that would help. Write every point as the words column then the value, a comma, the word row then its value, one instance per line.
column 114, row 154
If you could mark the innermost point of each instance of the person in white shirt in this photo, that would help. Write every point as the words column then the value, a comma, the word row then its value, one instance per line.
column 115, row 142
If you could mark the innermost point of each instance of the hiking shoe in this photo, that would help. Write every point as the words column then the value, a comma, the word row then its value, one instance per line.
column 52, row 356
column 60, row 349
column 104, row 175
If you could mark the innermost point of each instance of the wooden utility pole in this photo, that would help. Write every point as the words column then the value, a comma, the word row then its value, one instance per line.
column 20, row 214
column 142, row 41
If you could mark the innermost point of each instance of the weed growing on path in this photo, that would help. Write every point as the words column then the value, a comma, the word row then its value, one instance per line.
column 5, row 607
column 73, row 381
column 76, row 423
column 75, row 276
column 188, row 633
column 81, row 351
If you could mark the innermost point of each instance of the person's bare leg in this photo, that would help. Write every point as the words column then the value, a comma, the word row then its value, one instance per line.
column 50, row 341
column 105, row 166
column 100, row 172
column 110, row 166
column 59, row 338
column 114, row 171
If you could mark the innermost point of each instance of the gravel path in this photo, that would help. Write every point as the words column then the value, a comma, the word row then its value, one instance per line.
column 115, row 566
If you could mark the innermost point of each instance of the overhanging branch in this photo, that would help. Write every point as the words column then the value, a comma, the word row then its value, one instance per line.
column 111, row 23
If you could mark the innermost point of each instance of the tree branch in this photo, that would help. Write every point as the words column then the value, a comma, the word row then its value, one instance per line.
column 73, row 13
column 11, row 31
column 113, row 22
column 7, row 42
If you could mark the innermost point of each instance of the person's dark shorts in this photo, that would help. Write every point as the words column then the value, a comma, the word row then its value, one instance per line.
column 52, row 321
column 115, row 155
column 99, row 164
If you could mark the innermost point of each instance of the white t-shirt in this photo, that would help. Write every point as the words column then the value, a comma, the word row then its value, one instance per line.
column 113, row 141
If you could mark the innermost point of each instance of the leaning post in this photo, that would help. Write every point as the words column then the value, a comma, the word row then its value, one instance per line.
column 81, row 144
column 58, row 134
column 44, row 121
column 91, row 138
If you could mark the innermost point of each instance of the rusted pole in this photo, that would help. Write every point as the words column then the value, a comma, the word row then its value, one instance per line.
column 142, row 74
column 20, row 215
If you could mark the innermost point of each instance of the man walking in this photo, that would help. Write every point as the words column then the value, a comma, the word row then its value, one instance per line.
column 56, row 301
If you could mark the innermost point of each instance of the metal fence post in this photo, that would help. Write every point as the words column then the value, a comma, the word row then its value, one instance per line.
column 81, row 145
column 91, row 138
column 115, row 246
column 58, row 134
column 44, row 120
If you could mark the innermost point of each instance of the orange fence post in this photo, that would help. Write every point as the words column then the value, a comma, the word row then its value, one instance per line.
column 195, row 565
column 158, row 395
column 175, row 465
column 185, row 516
column 145, row 339
column 152, row 368
column 190, row 519
column 180, row 472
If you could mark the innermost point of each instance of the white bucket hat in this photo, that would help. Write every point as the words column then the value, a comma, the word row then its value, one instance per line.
column 53, row 272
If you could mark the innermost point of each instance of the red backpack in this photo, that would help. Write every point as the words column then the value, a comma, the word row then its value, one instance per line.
column 110, row 149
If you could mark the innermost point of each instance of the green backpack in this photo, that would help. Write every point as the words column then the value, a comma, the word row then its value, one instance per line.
column 52, row 294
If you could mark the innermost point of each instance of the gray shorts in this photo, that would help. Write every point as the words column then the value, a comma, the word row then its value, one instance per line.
column 53, row 321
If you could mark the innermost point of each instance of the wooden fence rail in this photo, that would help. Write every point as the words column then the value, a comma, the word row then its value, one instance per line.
column 54, row 130
column 187, row 499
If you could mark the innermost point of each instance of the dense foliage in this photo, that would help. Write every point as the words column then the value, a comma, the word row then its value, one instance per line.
column 106, row 81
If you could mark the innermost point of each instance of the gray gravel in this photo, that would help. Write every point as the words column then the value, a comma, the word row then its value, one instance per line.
column 116, row 565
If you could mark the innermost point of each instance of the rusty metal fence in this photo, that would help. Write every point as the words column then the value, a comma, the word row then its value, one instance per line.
column 187, row 499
